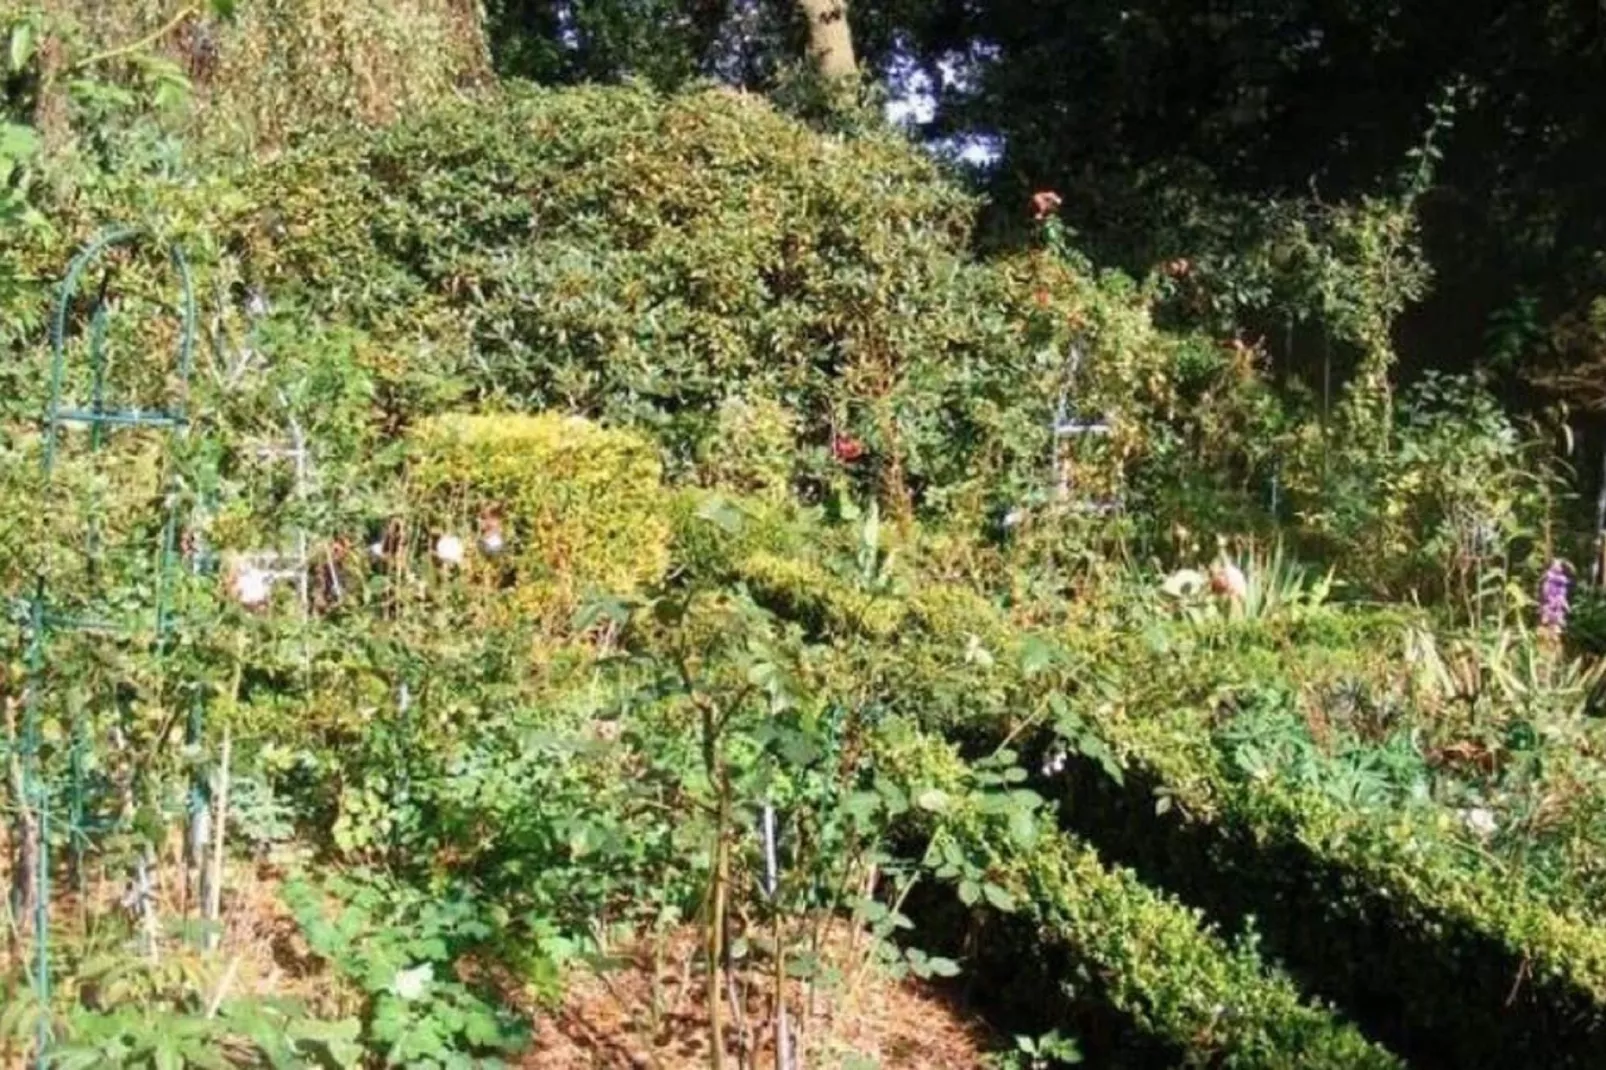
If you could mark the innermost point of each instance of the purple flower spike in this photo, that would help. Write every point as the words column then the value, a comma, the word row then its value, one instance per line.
column 1553, row 604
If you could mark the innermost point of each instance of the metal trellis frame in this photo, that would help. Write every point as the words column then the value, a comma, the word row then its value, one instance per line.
column 46, row 617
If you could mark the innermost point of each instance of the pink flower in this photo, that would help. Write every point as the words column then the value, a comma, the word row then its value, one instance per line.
column 1044, row 204
column 1228, row 579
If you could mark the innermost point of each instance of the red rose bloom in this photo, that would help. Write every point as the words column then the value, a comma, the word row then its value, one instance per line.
column 847, row 449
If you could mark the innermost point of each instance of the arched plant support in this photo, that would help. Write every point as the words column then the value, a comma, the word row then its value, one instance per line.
column 51, row 614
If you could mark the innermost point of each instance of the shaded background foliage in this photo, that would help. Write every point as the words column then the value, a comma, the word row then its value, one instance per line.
column 1167, row 126
column 534, row 249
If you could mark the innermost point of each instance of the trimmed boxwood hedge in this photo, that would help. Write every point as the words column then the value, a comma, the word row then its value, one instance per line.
column 1378, row 912
column 1450, row 963
column 1139, row 978
column 582, row 504
column 1161, row 964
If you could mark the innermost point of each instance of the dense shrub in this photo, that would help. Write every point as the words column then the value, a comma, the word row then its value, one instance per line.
column 1452, row 499
column 712, row 533
column 650, row 259
column 579, row 506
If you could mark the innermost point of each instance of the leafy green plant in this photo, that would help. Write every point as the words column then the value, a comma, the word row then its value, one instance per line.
column 1452, row 501
column 178, row 1012
column 400, row 947
column 1040, row 1052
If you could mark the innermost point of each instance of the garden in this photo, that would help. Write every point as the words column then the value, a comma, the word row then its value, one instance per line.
column 529, row 575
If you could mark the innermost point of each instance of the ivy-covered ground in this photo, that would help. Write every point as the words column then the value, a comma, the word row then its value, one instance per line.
column 632, row 586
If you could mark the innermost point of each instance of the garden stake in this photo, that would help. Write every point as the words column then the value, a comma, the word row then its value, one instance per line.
column 783, row 1035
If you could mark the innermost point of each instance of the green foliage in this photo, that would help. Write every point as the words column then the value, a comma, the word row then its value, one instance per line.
column 713, row 533
column 1366, row 801
column 1219, row 1004
column 1454, row 503
column 751, row 449
column 573, row 743
column 249, row 79
column 815, row 597
column 179, row 1013
column 579, row 506
column 1039, row 1053
column 400, row 947
column 648, row 259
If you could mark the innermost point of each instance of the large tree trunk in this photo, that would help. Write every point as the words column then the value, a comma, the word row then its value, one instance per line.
column 830, row 38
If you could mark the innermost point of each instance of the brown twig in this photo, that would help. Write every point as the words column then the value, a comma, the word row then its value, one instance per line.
column 185, row 13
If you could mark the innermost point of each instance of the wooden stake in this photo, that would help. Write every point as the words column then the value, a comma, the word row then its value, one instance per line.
column 214, row 891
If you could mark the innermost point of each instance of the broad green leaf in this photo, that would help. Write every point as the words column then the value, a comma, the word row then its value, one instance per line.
column 166, row 1057
column 998, row 897
column 1035, row 656
column 22, row 46
column 1022, row 827
column 17, row 142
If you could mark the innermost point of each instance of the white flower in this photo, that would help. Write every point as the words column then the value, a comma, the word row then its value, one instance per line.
column 976, row 653
column 251, row 586
column 376, row 550
column 1014, row 517
column 491, row 542
column 412, row 984
column 1480, row 820
column 449, row 550
column 1182, row 583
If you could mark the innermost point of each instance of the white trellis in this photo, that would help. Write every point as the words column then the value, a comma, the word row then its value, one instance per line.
column 274, row 566
column 1070, row 426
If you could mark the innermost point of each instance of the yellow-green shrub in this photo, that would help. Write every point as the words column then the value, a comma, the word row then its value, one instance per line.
column 280, row 70
column 949, row 611
column 581, row 505
column 712, row 533
column 810, row 594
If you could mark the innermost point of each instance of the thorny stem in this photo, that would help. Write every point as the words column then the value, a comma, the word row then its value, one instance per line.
column 897, row 906
column 716, row 908
column 744, row 1054
column 185, row 13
